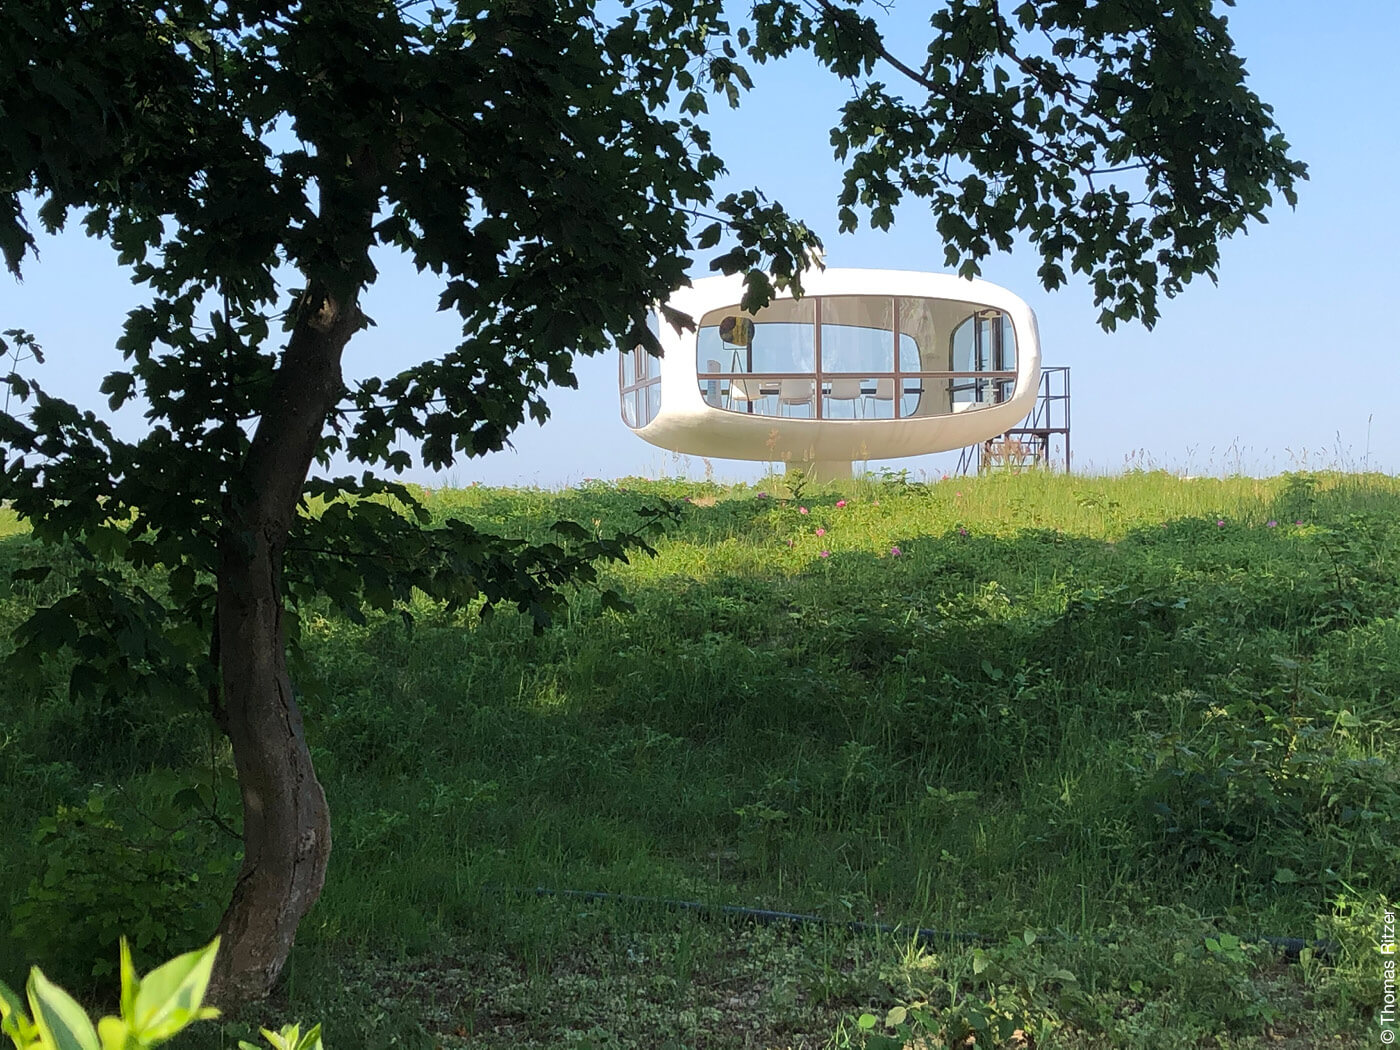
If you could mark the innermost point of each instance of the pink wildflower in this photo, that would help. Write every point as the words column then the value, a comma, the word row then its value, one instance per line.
column 895, row 552
column 1297, row 523
column 962, row 531
column 1271, row 524
column 824, row 554
column 1221, row 523
column 840, row 503
column 761, row 495
column 821, row 532
column 803, row 510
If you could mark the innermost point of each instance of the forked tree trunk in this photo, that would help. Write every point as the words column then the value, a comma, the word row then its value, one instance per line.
column 286, row 823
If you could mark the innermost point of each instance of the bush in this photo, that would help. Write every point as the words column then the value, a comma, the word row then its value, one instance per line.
column 159, row 875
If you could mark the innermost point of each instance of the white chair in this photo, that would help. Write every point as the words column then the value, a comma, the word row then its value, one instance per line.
column 794, row 392
column 745, row 391
column 884, row 391
column 847, row 390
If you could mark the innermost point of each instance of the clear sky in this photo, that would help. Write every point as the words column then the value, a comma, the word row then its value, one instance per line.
column 1290, row 362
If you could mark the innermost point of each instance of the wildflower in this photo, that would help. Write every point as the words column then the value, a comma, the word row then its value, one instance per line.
column 840, row 503
column 876, row 503
column 1271, row 524
column 803, row 510
column 824, row 554
column 895, row 552
column 761, row 495
column 1221, row 523
column 687, row 499
column 1297, row 523
column 962, row 531
column 958, row 495
column 821, row 532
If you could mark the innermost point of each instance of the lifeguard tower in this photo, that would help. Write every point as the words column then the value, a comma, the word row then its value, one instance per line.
column 868, row 365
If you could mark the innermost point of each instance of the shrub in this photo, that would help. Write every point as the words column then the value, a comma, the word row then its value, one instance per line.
column 158, row 875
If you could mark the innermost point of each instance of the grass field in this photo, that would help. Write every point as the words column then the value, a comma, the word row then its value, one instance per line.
column 1115, row 727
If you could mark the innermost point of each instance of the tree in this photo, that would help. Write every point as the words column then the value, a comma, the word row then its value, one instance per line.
column 549, row 164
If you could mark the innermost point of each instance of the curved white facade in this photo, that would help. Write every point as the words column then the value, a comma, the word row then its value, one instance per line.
column 869, row 364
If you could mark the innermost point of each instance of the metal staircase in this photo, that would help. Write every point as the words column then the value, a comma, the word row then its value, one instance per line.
column 1041, row 441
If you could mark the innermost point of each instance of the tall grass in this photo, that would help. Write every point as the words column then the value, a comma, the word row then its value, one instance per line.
column 1072, row 705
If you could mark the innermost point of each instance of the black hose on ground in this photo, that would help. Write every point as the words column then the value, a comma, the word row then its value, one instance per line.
column 1290, row 948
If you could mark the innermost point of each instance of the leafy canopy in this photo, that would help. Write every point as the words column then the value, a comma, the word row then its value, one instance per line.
column 547, row 162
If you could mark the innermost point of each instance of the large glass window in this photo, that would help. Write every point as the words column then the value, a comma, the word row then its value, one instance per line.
column 639, row 382
column 834, row 357
column 984, row 342
column 781, row 338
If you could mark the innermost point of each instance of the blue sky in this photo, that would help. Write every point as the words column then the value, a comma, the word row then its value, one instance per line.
column 1290, row 362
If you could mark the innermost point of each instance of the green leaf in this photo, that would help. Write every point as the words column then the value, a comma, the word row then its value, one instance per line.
column 866, row 1022
column 131, row 984
column 1285, row 875
column 13, row 1020
column 290, row 1038
column 171, row 995
column 571, row 530
column 115, row 1034
column 615, row 602
column 896, row 1016
column 62, row 1023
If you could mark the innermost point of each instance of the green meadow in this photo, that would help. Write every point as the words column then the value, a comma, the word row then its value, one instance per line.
column 1105, row 736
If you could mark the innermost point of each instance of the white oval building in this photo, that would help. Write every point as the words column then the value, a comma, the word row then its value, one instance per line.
column 868, row 365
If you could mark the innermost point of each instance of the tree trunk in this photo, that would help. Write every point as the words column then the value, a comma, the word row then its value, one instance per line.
column 286, row 822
